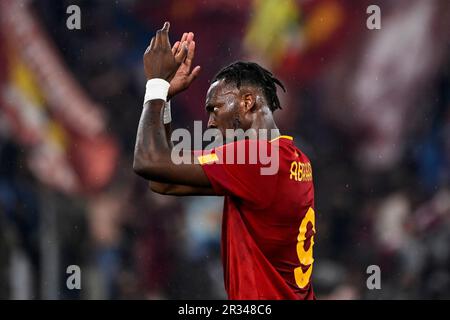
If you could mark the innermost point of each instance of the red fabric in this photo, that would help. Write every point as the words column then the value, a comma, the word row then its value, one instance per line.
column 261, row 219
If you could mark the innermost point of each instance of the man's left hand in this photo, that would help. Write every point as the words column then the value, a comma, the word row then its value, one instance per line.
column 159, row 61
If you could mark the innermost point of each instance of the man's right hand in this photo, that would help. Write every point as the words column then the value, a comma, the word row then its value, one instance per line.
column 184, row 76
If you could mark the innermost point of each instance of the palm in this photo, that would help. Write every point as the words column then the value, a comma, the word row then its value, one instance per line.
column 184, row 75
column 180, row 79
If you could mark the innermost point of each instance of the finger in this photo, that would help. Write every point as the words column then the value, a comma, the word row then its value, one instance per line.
column 190, row 37
column 184, row 37
column 190, row 54
column 152, row 43
column 175, row 47
column 194, row 74
column 182, row 53
column 166, row 26
column 157, row 39
column 165, row 35
column 180, row 47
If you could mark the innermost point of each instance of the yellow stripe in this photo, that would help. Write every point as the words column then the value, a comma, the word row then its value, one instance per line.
column 284, row 137
column 208, row 158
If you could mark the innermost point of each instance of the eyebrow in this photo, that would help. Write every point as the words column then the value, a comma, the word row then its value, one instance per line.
column 227, row 93
column 210, row 105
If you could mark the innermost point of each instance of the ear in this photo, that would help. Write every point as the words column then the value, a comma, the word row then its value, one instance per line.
column 248, row 102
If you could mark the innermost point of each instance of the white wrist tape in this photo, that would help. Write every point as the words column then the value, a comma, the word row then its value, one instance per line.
column 167, row 116
column 156, row 89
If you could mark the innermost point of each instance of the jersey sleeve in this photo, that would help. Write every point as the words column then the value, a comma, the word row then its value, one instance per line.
column 243, row 169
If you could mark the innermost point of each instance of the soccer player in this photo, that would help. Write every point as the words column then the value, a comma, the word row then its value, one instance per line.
column 268, row 219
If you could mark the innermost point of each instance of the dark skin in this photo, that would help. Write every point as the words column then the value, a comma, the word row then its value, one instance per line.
column 228, row 108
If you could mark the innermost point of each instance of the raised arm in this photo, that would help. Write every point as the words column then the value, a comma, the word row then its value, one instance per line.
column 184, row 75
column 152, row 156
column 180, row 82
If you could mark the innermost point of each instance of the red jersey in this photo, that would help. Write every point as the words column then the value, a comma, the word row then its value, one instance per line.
column 268, row 223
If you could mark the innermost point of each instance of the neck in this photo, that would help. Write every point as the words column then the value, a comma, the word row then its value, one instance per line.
column 264, row 120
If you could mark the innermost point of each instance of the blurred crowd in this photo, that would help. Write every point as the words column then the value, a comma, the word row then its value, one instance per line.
column 371, row 109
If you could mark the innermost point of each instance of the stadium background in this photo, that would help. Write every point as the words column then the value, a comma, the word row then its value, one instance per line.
column 371, row 108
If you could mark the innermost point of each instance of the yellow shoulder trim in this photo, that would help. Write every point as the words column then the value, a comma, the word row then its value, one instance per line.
column 208, row 158
column 282, row 137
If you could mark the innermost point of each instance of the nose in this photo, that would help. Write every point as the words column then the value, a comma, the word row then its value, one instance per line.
column 212, row 122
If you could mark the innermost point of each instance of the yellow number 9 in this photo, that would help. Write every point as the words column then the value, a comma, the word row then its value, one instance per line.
column 305, row 256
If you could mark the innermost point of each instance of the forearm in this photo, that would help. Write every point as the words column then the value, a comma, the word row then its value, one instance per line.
column 177, row 189
column 152, row 156
column 151, row 141
column 180, row 190
column 160, row 187
column 168, row 129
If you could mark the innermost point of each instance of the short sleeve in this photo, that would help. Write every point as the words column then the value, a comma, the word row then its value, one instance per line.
column 244, row 169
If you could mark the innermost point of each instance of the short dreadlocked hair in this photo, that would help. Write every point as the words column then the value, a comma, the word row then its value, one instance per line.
column 252, row 73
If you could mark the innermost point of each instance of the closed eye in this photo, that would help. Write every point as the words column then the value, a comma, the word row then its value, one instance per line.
column 211, row 108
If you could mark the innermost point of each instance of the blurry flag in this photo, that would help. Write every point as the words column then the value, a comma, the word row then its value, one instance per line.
column 47, row 112
column 271, row 27
column 295, row 38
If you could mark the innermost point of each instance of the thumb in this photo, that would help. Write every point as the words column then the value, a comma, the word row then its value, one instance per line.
column 194, row 74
